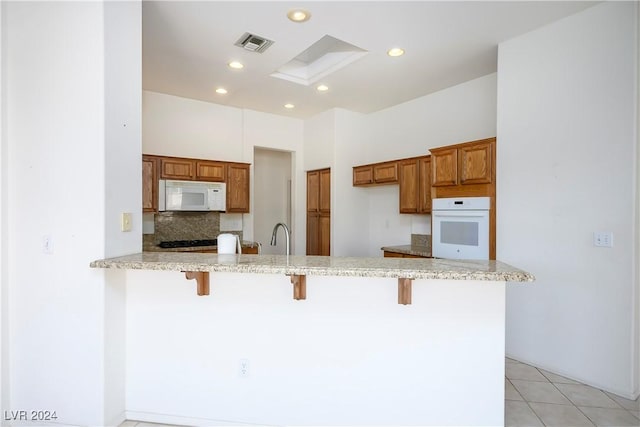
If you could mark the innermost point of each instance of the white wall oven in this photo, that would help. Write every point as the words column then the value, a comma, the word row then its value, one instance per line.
column 460, row 228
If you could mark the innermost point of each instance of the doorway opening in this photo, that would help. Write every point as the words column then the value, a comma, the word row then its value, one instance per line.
column 272, row 197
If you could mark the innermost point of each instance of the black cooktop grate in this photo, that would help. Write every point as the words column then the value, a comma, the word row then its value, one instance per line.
column 188, row 243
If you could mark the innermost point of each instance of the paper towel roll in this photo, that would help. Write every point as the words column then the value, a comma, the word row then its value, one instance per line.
column 227, row 243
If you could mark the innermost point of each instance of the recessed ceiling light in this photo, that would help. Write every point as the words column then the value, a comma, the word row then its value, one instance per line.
column 322, row 88
column 289, row 106
column 396, row 51
column 221, row 91
column 298, row 15
column 236, row 65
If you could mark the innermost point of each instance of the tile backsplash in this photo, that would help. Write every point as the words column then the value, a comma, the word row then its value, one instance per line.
column 422, row 240
column 186, row 226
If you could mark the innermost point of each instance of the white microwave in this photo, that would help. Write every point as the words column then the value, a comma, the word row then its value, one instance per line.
column 192, row 196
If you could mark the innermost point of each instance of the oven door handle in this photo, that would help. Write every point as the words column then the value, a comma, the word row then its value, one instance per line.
column 461, row 214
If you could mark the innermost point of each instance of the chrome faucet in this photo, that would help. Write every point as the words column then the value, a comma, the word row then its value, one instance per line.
column 286, row 233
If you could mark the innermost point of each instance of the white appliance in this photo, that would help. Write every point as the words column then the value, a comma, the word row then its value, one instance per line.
column 192, row 196
column 460, row 228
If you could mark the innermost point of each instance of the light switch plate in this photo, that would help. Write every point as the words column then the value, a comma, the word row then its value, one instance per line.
column 603, row 239
column 125, row 221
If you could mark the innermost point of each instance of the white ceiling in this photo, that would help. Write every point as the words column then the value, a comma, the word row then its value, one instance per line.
column 187, row 45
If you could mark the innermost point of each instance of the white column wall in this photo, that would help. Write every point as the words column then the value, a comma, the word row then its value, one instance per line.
column 567, row 138
column 123, row 183
column 56, row 189
column 4, row 227
column 349, row 204
column 64, row 138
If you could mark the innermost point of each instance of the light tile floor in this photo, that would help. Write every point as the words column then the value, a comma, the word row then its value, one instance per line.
column 535, row 397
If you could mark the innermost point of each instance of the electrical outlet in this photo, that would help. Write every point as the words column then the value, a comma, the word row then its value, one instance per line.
column 603, row 239
column 243, row 368
column 47, row 245
column 125, row 221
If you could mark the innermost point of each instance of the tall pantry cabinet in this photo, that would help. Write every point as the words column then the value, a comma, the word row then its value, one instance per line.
column 319, row 212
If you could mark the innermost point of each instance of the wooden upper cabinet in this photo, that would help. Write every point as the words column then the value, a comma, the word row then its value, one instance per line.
column 385, row 172
column 180, row 169
column 424, row 184
column 476, row 165
column 363, row 175
column 149, row 184
column 409, row 174
column 444, row 167
column 375, row 174
column 463, row 164
column 210, row 171
column 238, row 187
column 415, row 185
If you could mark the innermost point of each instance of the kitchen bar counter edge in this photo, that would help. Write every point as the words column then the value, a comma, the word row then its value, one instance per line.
column 441, row 269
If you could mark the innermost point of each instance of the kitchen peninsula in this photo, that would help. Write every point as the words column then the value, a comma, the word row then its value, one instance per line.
column 342, row 352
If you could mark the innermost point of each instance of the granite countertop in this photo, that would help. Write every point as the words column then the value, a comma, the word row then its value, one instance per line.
column 410, row 268
column 423, row 251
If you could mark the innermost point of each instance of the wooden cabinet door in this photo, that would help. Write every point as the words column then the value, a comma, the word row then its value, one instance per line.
column 319, row 212
column 313, row 233
column 424, row 185
column 325, row 191
column 324, row 235
column 408, row 177
column 210, row 171
column 363, row 175
column 149, row 184
column 181, row 169
column 313, row 191
column 475, row 163
column 385, row 172
column 238, row 182
column 444, row 167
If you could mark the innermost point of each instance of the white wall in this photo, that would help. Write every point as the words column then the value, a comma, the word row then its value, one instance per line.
column 58, row 61
column 4, row 229
column 567, row 112
column 457, row 114
column 320, row 141
column 347, row 355
column 181, row 127
column 349, row 204
column 123, row 183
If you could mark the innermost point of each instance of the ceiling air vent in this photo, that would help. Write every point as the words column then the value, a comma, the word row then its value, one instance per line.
column 253, row 43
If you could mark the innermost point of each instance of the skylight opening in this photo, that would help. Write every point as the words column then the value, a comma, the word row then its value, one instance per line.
column 322, row 58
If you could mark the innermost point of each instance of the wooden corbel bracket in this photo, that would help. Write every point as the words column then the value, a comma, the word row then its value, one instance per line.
column 299, row 286
column 202, row 279
column 404, row 291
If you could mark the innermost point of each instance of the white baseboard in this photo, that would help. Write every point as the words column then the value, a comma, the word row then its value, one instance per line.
column 182, row 421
